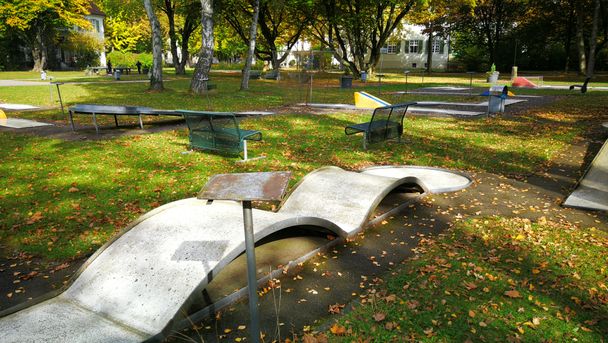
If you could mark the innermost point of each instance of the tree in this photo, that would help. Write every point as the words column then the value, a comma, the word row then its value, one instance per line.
column 489, row 21
column 156, row 77
column 356, row 30
column 250, row 52
column 186, row 11
column 280, row 23
column 198, row 85
column 37, row 23
column 437, row 17
column 595, row 10
column 126, row 34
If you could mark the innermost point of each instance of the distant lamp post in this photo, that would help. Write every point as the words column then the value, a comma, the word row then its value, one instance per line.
column 406, row 72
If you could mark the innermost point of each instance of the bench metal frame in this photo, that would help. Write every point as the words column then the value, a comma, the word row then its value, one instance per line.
column 218, row 131
column 583, row 87
column 386, row 123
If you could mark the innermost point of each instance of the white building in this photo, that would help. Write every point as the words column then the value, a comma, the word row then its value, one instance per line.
column 409, row 50
column 96, row 17
column 406, row 50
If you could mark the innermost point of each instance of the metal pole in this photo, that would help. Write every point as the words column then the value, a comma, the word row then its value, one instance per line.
column 310, row 95
column 254, row 327
column 471, row 85
column 60, row 100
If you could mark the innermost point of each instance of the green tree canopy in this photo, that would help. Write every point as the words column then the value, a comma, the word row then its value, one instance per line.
column 38, row 23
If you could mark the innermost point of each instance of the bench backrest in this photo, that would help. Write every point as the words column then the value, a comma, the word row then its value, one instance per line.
column 213, row 130
column 387, row 122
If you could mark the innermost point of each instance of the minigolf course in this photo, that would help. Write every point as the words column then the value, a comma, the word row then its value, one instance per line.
column 142, row 285
column 591, row 192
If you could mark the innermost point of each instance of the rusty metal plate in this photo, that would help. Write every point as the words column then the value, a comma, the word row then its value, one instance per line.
column 268, row 186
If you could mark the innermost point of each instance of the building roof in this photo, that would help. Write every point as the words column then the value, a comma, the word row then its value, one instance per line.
column 94, row 10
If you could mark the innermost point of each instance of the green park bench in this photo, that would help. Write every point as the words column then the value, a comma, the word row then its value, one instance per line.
column 386, row 123
column 218, row 131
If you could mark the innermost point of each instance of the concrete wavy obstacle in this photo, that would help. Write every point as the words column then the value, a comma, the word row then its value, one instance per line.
column 142, row 285
column 591, row 191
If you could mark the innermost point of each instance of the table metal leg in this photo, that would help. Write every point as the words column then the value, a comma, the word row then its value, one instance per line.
column 95, row 123
column 364, row 140
column 116, row 120
column 71, row 120
column 141, row 123
column 60, row 99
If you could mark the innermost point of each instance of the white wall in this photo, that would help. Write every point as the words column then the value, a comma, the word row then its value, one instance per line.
column 406, row 60
column 98, row 30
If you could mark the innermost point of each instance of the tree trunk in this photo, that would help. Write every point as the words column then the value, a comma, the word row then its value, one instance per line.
column 252, row 35
column 568, row 40
column 198, row 85
column 39, row 51
column 185, row 55
column 156, row 78
column 593, row 39
column 170, row 11
column 189, row 26
column 429, row 51
column 580, row 41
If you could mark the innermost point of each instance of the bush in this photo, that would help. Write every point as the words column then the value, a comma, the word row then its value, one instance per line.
column 85, row 48
column 129, row 59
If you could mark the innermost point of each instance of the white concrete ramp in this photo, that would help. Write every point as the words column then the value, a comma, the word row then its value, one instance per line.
column 142, row 284
column 592, row 190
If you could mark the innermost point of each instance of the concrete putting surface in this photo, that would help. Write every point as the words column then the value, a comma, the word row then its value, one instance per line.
column 144, row 283
column 16, row 123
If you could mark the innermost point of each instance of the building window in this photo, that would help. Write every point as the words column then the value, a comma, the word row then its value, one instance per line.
column 391, row 48
column 95, row 24
column 413, row 47
column 413, row 65
column 436, row 46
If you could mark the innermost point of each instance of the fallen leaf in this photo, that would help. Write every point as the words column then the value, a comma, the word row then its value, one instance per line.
column 513, row 294
column 471, row 313
column 34, row 218
column 337, row 329
column 73, row 190
column 335, row 308
column 379, row 316
column 309, row 339
column 470, row 285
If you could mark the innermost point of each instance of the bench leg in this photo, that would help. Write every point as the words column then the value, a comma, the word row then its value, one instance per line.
column 141, row 123
column 72, row 120
column 95, row 123
column 116, row 120
column 245, row 150
column 364, row 140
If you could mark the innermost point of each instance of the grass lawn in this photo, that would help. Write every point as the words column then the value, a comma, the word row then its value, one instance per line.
column 63, row 199
column 491, row 279
column 485, row 279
